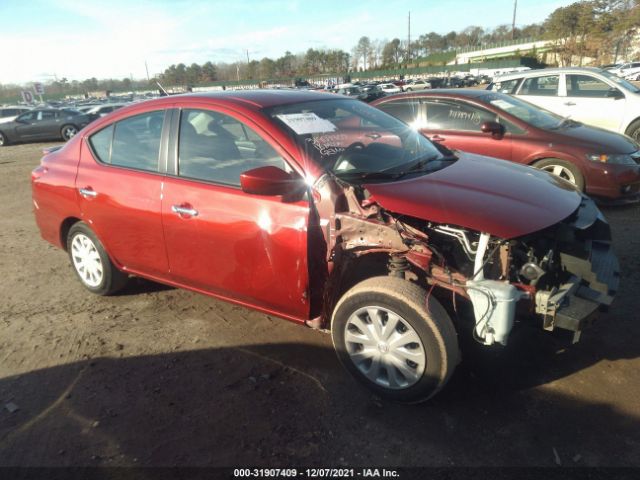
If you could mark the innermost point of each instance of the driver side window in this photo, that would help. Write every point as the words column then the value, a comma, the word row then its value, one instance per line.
column 218, row 148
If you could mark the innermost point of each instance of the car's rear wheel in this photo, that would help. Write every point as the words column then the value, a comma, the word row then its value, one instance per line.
column 393, row 337
column 68, row 132
column 634, row 130
column 563, row 169
column 409, row 90
column 3, row 140
column 91, row 263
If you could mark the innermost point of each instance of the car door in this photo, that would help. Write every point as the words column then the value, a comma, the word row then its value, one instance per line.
column 247, row 248
column 456, row 124
column 26, row 126
column 48, row 124
column 592, row 101
column 119, row 189
column 544, row 91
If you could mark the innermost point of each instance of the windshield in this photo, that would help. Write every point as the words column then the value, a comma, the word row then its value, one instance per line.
column 355, row 141
column 621, row 82
column 525, row 111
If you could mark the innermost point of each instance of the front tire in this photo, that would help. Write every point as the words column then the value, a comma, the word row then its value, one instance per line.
column 563, row 169
column 68, row 132
column 634, row 130
column 3, row 140
column 393, row 337
column 91, row 263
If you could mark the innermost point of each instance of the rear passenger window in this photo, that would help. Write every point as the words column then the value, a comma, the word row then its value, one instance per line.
column 407, row 111
column 541, row 86
column 133, row 142
column 217, row 148
column 506, row 86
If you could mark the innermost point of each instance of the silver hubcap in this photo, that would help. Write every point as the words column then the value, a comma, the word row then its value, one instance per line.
column 385, row 348
column 86, row 260
column 561, row 172
column 1, row 139
column 69, row 132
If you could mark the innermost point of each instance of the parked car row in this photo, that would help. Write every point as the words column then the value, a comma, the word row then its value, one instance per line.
column 329, row 212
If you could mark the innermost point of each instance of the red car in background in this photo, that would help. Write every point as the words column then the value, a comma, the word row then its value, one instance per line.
column 328, row 212
column 602, row 163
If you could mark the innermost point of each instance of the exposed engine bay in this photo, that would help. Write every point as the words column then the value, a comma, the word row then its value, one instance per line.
column 558, row 277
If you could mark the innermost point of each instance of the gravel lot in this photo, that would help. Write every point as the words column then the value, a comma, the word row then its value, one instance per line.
column 159, row 376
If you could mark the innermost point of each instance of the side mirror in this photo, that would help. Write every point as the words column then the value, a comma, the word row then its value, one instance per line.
column 494, row 128
column 270, row 180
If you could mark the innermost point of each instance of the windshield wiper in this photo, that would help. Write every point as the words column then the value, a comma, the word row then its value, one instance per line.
column 387, row 173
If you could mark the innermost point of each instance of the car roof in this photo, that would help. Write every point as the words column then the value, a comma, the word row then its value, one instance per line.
column 440, row 92
column 547, row 71
column 252, row 99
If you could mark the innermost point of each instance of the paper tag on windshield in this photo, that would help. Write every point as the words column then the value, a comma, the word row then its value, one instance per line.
column 303, row 123
column 502, row 104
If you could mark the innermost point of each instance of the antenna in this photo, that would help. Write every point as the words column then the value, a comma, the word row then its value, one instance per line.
column 513, row 23
column 409, row 39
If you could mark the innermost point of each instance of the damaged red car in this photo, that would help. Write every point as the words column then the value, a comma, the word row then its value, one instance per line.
column 330, row 213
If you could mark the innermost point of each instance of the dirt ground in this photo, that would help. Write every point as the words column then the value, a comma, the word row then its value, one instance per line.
column 160, row 377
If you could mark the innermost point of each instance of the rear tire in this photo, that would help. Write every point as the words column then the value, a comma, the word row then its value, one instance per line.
column 634, row 130
column 394, row 338
column 91, row 263
column 563, row 169
column 3, row 140
column 68, row 132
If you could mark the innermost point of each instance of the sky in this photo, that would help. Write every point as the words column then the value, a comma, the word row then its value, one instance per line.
column 77, row 39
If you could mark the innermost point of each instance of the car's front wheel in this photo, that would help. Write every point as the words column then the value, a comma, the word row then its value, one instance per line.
column 563, row 169
column 393, row 337
column 68, row 132
column 634, row 130
column 91, row 262
column 3, row 140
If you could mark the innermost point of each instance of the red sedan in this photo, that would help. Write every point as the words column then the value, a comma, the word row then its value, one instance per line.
column 602, row 163
column 330, row 213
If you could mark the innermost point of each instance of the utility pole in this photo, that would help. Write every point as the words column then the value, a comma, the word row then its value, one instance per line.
column 247, row 57
column 147, row 69
column 513, row 23
column 409, row 39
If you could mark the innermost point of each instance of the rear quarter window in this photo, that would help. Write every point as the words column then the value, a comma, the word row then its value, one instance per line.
column 101, row 144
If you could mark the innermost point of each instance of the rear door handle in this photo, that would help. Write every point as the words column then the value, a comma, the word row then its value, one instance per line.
column 184, row 210
column 88, row 192
column 569, row 104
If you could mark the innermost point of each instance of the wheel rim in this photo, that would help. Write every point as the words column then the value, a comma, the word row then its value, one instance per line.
column 1, row 140
column 69, row 132
column 636, row 134
column 560, row 171
column 385, row 348
column 86, row 260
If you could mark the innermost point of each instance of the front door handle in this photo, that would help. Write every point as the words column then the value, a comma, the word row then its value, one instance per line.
column 437, row 138
column 184, row 210
column 569, row 104
column 88, row 192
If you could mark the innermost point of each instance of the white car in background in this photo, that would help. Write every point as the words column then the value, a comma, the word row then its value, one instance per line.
column 589, row 95
column 8, row 114
column 390, row 88
column 626, row 69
